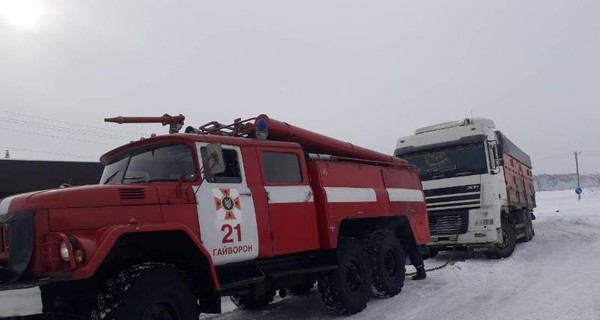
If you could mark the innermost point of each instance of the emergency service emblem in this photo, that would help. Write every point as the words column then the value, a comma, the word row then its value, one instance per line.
column 227, row 204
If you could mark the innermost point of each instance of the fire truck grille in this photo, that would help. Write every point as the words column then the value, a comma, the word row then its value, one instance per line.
column 132, row 194
column 448, row 222
column 3, row 242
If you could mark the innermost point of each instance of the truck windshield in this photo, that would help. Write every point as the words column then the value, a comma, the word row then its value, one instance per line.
column 448, row 162
column 156, row 163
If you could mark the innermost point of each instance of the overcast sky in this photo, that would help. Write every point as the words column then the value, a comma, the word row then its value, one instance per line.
column 366, row 72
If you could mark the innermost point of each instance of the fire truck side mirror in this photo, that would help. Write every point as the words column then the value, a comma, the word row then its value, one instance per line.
column 215, row 163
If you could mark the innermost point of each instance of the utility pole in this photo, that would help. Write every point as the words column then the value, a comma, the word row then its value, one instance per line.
column 577, row 171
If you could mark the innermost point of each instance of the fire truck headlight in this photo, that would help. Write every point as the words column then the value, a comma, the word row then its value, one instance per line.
column 64, row 252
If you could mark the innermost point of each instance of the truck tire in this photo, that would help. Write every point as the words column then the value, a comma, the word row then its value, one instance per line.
column 507, row 247
column 388, row 263
column 147, row 291
column 249, row 302
column 347, row 289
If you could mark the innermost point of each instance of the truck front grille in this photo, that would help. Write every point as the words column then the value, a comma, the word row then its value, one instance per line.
column 450, row 222
column 460, row 197
column 132, row 194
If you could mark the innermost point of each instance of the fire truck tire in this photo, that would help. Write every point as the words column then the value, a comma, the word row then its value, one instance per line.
column 347, row 289
column 248, row 302
column 388, row 263
column 507, row 247
column 147, row 291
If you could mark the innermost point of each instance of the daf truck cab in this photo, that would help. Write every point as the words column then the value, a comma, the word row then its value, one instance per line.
column 478, row 186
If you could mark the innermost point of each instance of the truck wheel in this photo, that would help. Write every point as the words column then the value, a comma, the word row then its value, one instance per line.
column 249, row 302
column 507, row 247
column 148, row 291
column 388, row 263
column 347, row 289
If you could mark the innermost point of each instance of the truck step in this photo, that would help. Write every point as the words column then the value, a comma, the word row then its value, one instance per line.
column 317, row 269
column 242, row 283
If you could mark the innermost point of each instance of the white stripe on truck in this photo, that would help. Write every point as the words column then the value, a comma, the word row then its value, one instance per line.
column 289, row 194
column 405, row 195
column 339, row 194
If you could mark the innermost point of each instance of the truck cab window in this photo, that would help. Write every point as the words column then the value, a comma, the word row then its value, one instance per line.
column 232, row 173
column 154, row 163
column 281, row 167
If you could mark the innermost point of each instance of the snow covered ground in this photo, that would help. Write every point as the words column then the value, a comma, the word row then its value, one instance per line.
column 554, row 277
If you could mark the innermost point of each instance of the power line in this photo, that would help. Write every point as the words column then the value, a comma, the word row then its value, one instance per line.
column 64, row 129
column 65, row 122
column 49, row 152
column 58, row 137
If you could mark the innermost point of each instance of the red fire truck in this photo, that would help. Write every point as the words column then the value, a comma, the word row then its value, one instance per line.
column 243, row 210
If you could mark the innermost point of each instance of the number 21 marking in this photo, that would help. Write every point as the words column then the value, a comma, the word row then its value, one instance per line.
column 228, row 229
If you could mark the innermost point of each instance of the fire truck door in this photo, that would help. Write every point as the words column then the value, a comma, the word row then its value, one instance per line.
column 291, row 205
column 226, row 211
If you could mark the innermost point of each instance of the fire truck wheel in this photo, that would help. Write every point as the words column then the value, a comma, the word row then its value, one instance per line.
column 249, row 302
column 347, row 289
column 507, row 247
column 147, row 291
column 388, row 263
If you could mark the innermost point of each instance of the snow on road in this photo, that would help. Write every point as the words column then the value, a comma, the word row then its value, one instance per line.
column 553, row 277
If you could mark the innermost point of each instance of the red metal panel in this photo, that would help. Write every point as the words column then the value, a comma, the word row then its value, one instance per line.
column 416, row 212
column 327, row 174
column 293, row 224
column 519, row 183
column 259, row 196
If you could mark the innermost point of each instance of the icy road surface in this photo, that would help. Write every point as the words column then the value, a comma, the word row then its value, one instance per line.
column 555, row 276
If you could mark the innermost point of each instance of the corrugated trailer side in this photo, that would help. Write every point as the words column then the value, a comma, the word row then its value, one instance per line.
column 517, row 173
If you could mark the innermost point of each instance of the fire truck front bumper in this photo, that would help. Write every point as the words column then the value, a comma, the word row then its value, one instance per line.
column 16, row 249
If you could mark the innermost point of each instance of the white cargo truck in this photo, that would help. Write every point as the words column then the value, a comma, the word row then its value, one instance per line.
column 478, row 186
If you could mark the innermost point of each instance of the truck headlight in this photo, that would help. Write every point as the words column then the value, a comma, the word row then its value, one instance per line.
column 484, row 222
column 64, row 252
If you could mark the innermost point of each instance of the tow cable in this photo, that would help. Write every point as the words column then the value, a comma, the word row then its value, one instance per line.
column 448, row 260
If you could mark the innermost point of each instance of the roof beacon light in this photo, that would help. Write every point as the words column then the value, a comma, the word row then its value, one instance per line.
column 262, row 129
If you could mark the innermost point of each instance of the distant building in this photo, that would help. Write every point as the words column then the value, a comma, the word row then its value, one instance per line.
column 18, row 176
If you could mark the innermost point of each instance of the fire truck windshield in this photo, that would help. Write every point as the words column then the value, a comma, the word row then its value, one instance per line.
column 156, row 163
column 448, row 162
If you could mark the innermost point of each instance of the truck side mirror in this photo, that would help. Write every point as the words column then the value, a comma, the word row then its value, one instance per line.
column 500, row 162
column 215, row 163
